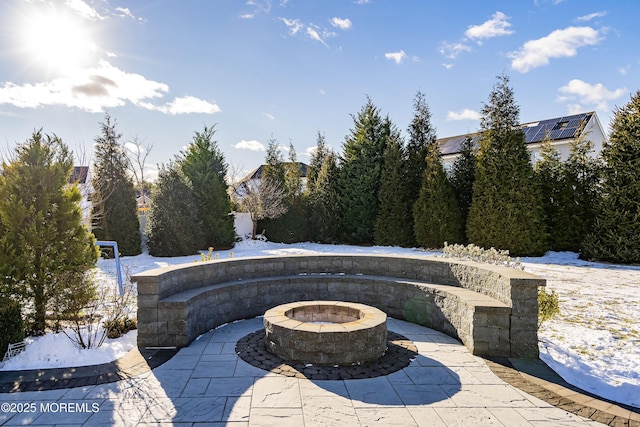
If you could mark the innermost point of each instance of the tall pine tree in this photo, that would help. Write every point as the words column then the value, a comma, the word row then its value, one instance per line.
column 616, row 231
column 324, row 203
column 581, row 177
column 421, row 135
column 550, row 180
column 360, row 173
column 317, row 159
column 174, row 226
column 506, row 211
column 462, row 177
column 391, row 227
column 436, row 214
column 49, row 248
column 115, row 210
column 204, row 165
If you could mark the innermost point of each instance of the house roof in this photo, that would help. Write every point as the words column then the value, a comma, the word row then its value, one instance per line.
column 257, row 172
column 79, row 175
column 565, row 127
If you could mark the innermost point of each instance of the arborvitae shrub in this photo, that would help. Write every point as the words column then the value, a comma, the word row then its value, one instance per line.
column 360, row 172
column 462, row 177
column 436, row 216
column 203, row 164
column 325, row 215
column 394, row 223
column 291, row 227
column 615, row 235
column 11, row 325
column 115, row 209
column 173, row 219
column 506, row 210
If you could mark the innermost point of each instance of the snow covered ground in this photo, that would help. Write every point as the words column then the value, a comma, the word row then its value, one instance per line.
column 593, row 344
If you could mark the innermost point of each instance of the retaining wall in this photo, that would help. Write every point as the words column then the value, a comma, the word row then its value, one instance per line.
column 493, row 310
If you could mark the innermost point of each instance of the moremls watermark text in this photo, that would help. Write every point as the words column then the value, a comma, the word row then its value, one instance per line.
column 49, row 407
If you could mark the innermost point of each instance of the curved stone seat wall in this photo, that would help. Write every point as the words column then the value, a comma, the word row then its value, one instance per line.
column 491, row 309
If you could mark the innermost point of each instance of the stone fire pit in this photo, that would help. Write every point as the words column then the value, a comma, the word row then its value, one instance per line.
column 326, row 332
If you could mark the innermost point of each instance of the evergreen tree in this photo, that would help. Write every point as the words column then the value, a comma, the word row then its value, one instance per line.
column 274, row 167
column 393, row 225
column 462, row 177
column 360, row 172
column 174, row 227
column 293, row 175
column 581, row 177
column 616, row 231
column 436, row 214
column 115, row 211
column 421, row 135
column 317, row 159
column 506, row 211
column 291, row 226
column 49, row 248
column 552, row 188
column 204, row 165
column 324, row 203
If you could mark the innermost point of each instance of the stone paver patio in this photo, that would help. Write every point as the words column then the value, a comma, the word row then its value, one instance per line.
column 207, row 384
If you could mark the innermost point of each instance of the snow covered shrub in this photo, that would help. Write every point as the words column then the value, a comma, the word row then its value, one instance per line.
column 472, row 252
column 548, row 305
column 11, row 324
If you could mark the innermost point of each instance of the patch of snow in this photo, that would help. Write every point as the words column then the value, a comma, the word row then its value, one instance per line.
column 57, row 351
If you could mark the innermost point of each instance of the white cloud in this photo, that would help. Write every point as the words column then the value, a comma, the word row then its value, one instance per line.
column 294, row 25
column 452, row 50
column 624, row 70
column 591, row 16
column 125, row 12
column 83, row 9
column 558, row 44
column 252, row 145
column 398, row 57
column 310, row 151
column 269, row 116
column 495, row 27
column 95, row 89
column 314, row 35
column 362, row 1
column 343, row 24
column 187, row 105
column 590, row 94
column 448, row 66
column 312, row 31
column 466, row 114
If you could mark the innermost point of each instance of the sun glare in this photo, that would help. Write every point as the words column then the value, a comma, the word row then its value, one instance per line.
column 56, row 40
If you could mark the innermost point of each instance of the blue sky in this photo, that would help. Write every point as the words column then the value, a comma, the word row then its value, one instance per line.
column 286, row 69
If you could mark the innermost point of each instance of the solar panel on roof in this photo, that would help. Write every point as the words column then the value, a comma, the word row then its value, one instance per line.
column 567, row 133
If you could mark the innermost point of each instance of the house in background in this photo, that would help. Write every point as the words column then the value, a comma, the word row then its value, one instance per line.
column 562, row 131
column 81, row 176
column 254, row 178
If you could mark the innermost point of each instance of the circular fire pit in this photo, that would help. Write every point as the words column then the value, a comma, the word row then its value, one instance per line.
column 326, row 332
